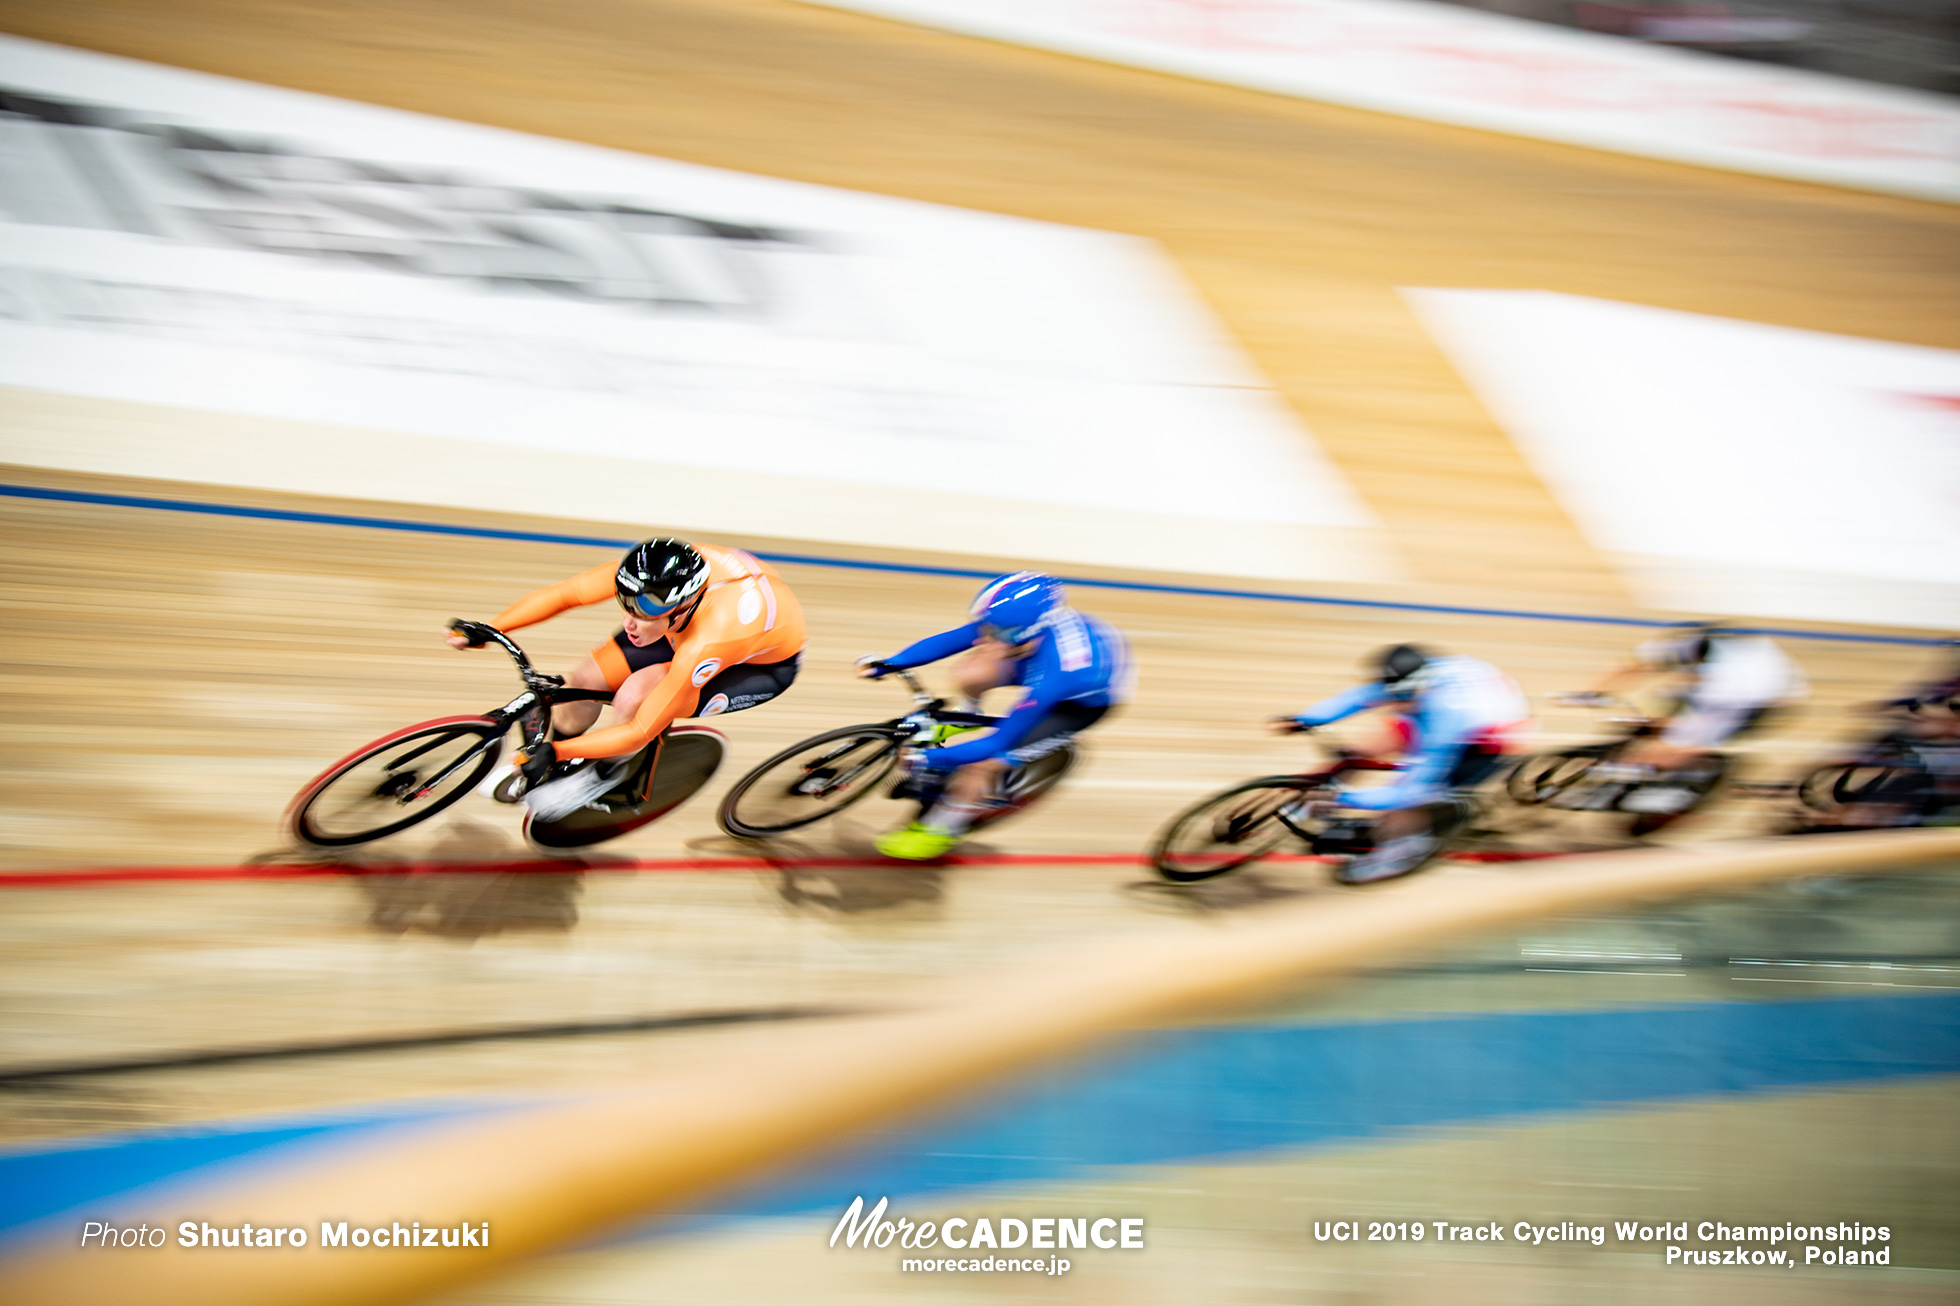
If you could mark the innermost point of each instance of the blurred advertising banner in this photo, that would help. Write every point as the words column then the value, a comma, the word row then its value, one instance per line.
column 1476, row 69
column 213, row 281
column 1725, row 466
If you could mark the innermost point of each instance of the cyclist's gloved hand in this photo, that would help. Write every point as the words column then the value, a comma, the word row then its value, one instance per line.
column 461, row 636
column 871, row 668
column 1290, row 725
column 534, row 764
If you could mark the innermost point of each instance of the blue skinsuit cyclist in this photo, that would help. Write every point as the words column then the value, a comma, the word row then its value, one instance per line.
column 1462, row 712
column 1074, row 668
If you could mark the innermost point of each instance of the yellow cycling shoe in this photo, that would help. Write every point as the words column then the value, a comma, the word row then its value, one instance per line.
column 916, row 843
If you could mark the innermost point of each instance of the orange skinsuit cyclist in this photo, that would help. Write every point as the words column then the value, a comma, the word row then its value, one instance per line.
column 706, row 630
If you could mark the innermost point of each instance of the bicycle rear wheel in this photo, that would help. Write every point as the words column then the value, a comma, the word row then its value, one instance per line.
column 1716, row 775
column 1025, row 785
column 809, row 781
column 664, row 775
column 1227, row 830
column 396, row 781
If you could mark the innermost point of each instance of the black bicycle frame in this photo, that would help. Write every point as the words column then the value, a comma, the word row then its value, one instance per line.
column 530, row 709
column 926, row 705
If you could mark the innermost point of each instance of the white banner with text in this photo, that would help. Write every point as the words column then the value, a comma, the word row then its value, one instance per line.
column 281, row 290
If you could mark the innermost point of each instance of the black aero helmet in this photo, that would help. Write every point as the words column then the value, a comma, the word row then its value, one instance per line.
column 1399, row 661
column 1400, row 667
column 659, row 577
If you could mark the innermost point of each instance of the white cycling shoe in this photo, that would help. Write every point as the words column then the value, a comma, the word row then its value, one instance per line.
column 1396, row 857
column 1660, row 800
column 554, row 800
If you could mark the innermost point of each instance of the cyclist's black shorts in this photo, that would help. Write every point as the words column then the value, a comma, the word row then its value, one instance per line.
column 1476, row 765
column 1053, row 731
column 746, row 685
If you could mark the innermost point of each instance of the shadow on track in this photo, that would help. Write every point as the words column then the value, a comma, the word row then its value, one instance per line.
column 436, row 891
column 843, row 875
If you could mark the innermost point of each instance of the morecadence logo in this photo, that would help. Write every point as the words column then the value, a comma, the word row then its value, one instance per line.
column 972, row 1234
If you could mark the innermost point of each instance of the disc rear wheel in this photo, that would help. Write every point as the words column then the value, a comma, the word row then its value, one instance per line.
column 654, row 783
column 1025, row 785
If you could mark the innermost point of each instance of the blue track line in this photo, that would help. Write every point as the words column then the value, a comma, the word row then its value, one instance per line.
column 902, row 568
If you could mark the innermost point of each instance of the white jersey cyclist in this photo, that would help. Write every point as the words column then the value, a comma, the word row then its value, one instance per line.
column 1735, row 679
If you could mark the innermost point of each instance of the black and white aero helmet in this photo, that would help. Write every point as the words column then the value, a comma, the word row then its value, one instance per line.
column 659, row 577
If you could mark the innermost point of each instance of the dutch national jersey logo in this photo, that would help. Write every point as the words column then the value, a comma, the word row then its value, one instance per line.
column 704, row 671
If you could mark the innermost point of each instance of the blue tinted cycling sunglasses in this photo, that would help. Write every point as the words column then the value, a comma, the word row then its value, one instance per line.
column 638, row 605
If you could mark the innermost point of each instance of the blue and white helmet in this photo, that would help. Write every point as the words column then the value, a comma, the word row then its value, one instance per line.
column 1012, row 608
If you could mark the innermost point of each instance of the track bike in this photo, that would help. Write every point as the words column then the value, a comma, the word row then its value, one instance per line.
column 826, row 773
column 1237, row 826
column 1582, row 778
column 404, row 778
column 1907, row 774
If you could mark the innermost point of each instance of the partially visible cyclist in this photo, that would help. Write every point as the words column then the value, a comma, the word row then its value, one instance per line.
column 1727, row 684
column 1460, row 716
column 1917, row 756
column 706, row 630
column 1022, row 632
column 1932, row 707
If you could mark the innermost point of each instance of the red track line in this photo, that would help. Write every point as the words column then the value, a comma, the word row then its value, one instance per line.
column 60, row 879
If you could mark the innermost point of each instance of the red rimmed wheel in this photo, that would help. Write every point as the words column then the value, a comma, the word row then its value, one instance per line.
column 396, row 781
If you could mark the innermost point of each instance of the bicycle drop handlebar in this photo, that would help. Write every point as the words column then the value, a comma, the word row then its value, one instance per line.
column 479, row 633
column 924, row 700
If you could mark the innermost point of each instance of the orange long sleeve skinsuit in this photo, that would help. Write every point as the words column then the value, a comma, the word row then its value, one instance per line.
column 747, row 618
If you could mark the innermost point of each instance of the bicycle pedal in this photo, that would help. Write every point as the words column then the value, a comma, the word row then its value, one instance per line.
column 506, row 784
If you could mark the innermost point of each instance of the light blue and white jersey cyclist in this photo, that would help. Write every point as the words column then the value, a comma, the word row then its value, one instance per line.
column 1464, row 713
column 1073, row 666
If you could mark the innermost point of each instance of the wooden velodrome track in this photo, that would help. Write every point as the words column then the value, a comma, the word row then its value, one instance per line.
column 174, row 677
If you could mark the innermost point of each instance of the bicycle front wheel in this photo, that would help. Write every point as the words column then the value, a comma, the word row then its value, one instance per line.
column 396, row 781
column 1544, row 776
column 1840, row 784
column 1226, row 831
column 809, row 781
